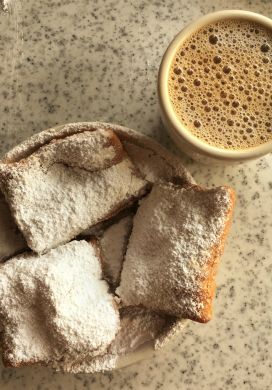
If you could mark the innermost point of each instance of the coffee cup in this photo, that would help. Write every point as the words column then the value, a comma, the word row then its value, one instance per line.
column 180, row 132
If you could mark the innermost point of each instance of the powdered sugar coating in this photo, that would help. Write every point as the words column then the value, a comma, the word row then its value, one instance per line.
column 52, row 202
column 51, row 306
column 90, row 150
column 174, row 234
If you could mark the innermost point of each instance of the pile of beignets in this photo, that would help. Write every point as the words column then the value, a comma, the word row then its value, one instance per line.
column 106, row 243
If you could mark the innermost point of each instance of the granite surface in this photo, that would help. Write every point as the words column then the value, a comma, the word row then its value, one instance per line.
column 73, row 60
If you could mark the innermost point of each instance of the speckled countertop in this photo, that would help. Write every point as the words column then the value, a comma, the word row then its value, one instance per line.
column 73, row 60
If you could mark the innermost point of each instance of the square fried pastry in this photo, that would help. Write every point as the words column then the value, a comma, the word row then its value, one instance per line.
column 177, row 238
column 68, row 185
column 55, row 306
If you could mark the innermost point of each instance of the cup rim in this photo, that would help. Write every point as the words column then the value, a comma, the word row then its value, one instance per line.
column 164, row 100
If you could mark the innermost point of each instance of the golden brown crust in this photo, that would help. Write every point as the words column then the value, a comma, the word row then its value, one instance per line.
column 117, row 145
column 209, row 285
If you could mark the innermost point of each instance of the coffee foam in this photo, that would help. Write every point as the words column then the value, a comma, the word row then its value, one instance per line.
column 220, row 84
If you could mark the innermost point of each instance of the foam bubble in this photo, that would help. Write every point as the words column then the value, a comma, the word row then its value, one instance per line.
column 222, row 93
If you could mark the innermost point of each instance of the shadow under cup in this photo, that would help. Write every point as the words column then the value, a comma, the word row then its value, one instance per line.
column 182, row 136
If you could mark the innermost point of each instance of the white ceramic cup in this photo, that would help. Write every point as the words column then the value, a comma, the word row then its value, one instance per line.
column 184, row 139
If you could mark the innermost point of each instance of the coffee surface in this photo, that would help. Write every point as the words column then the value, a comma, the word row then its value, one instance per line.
column 220, row 84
